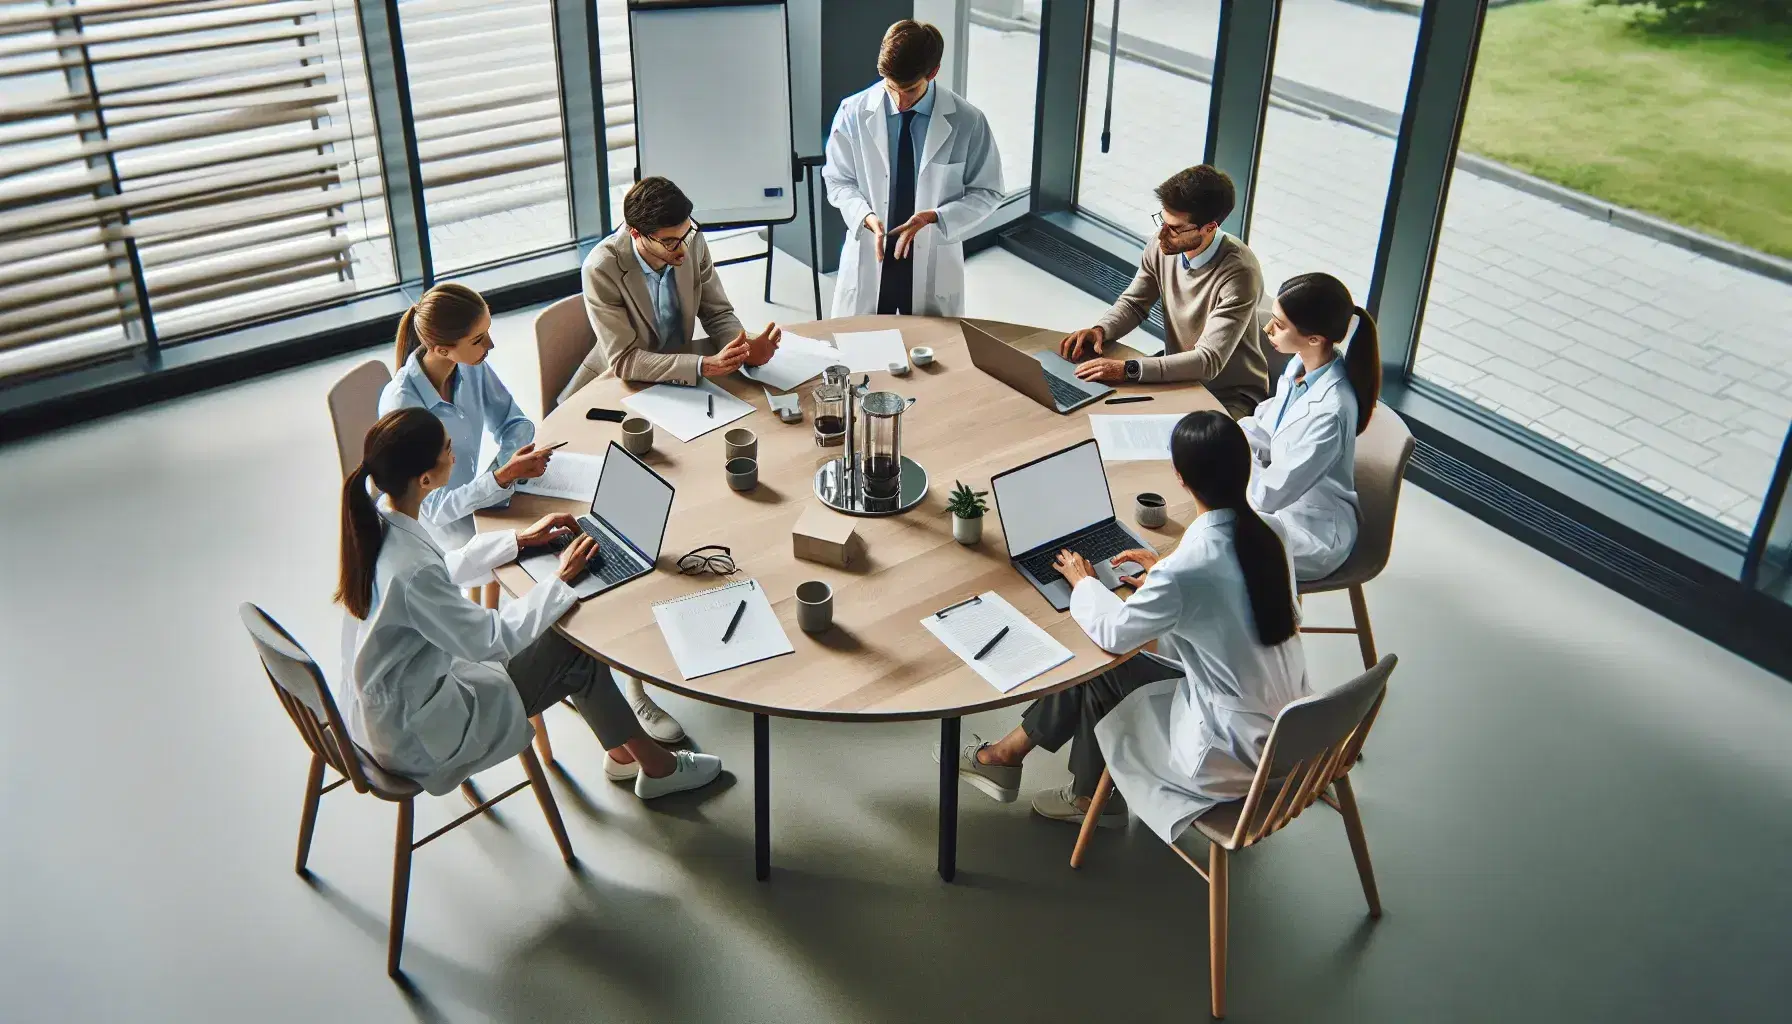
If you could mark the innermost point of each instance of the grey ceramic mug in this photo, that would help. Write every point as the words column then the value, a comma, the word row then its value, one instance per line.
column 814, row 606
column 743, row 473
column 637, row 435
column 740, row 443
column 1149, row 510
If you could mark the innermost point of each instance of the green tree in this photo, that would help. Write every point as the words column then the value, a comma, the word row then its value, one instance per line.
column 1709, row 16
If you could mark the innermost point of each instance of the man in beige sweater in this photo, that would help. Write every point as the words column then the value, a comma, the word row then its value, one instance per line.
column 647, row 286
column 1210, row 284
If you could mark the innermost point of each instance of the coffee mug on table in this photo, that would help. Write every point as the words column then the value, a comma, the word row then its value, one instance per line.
column 637, row 435
column 814, row 606
column 1150, row 510
column 921, row 354
column 739, row 443
column 743, row 473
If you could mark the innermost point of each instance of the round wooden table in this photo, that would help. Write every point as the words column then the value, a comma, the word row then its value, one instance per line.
column 877, row 663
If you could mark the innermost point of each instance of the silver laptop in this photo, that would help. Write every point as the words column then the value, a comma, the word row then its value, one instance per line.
column 627, row 520
column 1045, row 377
column 1057, row 502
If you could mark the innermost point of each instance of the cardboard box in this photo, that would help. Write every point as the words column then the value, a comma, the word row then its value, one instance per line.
column 825, row 536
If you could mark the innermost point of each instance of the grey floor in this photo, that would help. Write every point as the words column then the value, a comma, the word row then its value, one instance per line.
column 1578, row 811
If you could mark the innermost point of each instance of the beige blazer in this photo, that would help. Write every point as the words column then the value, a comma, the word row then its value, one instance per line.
column 621, row 312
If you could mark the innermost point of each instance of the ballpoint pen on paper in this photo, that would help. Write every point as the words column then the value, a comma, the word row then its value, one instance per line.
column 1128, row 398
column 732, row 623
column 712, row 406
column 992, row 644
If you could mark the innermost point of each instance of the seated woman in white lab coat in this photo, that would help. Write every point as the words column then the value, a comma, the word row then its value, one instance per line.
column 1304, row 436
column 443, row 342
column 1182, row 730
column 438, row 688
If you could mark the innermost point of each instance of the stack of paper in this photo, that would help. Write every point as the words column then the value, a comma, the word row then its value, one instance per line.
column 1133, row 438
column 871, row 351
column 1023, row 652
column 798, row 359
column 570, row 475
column 684, row 412
column 695, row 625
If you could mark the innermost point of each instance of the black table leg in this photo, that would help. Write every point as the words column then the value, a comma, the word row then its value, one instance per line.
column 948, row 798
column 762, row 797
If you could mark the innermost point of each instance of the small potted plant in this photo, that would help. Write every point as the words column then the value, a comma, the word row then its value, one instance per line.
column 967, row 508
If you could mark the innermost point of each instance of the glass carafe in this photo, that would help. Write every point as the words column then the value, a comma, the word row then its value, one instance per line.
column 880, row 444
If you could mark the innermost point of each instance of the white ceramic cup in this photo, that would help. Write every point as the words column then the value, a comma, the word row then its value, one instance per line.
column 898, row 369
column 921, row 354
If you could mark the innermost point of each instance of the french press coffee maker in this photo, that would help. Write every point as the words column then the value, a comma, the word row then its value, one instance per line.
column 871, row 477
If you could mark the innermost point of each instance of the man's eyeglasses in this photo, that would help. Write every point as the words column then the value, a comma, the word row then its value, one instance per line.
column 675, row 244
column 1175, row 229
column 695, row 562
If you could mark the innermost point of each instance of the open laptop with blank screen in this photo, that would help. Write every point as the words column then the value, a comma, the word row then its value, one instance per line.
column 1045, row 377
column 627, row 520
column 1056, row 502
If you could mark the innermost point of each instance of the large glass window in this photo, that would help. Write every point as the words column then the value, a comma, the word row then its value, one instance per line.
column 1612, row 272
column 1161, row 92
column 1328, row 140
column 1000, row 74
column 214, row 159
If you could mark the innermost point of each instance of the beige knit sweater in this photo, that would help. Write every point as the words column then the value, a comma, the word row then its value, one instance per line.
column 1209, row 319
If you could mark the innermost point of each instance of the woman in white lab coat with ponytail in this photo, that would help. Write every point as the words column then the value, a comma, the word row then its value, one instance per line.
column 1303, row 437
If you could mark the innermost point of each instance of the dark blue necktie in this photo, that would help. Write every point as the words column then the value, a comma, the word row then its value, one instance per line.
column 895, row 290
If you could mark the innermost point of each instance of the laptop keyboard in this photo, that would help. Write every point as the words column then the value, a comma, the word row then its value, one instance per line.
column 611, row 562
column 1064, row 392
column 1097, row 545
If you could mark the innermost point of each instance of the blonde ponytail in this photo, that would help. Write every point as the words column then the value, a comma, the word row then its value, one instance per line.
column 443, row 316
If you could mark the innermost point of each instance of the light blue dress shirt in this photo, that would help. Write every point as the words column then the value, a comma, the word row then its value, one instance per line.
column 662, row 289
column 479, row 402
column 1207, row 254
column 1304, row 382
column 917, row 133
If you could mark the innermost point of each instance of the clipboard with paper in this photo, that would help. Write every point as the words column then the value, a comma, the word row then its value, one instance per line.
column 970, row 629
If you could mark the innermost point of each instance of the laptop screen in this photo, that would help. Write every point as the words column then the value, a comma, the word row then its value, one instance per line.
column 633, row 499
column 1054, row 497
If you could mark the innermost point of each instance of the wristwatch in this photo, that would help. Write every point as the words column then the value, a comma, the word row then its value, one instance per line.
column 1133, row 371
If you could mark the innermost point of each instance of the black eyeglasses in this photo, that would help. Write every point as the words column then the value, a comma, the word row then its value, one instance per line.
column 1158, row 219
column 680, row 241
column 696, row 561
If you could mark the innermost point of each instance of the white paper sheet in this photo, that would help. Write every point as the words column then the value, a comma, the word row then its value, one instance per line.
column 684, row 412
column 570, row 475
column 797, row 360
column 1023, row 652
column 693, row 627
column 1133, row 438
column 871, row 351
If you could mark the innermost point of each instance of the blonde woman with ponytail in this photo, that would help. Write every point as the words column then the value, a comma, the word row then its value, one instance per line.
column 1304, row 435
column 436, row 687
column 443, row 342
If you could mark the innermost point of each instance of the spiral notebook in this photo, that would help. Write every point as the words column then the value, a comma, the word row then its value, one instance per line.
column 695, row 624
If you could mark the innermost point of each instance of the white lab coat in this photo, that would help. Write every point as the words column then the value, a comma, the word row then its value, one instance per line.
column 1179, row 747
column 1304, row 472
column 423, row 683
column 959, row 176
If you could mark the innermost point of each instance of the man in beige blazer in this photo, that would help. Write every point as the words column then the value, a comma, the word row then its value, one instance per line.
column 646, row 287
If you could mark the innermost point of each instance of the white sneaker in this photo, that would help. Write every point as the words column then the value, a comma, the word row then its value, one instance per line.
column 659, row 726
column 1060, row 805
column 694, row 771
column 1000, row 783
column 620, row 771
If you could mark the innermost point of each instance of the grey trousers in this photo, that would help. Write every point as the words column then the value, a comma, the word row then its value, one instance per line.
column 1069, row 716
column 552, row 668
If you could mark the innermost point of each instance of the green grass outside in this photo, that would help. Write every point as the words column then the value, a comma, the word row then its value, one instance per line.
column 1697, row 131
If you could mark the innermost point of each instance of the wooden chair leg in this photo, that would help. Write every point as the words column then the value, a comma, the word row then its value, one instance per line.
column 549, row 809
column 474, row 797
column 314, row 791
column 491, row 595
column 401, row 884
column 1103, row 790
column 1218, row 864
column 541, row 740
column 1359, row 610
column 1359, row 844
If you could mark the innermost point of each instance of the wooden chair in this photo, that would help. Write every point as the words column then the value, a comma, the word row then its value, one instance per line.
column 1312, row 746
column 355, row 408
column 299, row 684
column 563, row 337
column 1383, row 451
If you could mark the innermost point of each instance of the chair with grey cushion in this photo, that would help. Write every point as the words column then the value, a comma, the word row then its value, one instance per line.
column 299, row 684
column 563, row 337
column 1311, row 749
column 355, row 408
column 1383, row 450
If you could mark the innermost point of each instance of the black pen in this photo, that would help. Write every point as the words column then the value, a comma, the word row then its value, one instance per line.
column 738, row 609
column 991, row 645
column 1128, row 398
column 712, row 406
column 551, row 447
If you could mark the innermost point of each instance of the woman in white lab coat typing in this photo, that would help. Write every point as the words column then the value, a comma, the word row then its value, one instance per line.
column 1181, row 731
column 436, row 687
column 1303, row 437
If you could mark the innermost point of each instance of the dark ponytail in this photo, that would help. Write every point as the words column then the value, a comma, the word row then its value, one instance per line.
column 1213, row 459
column 402, row 446
column 445, row 315
column 1320, row 304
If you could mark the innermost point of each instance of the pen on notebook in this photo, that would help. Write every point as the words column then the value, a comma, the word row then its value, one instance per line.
column 738, row 609
column 1128, row 398
column 551, row 447
column 992, row 644
column 712, row 406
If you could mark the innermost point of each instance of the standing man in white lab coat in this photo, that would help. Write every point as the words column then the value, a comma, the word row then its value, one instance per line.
column 913, row 169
